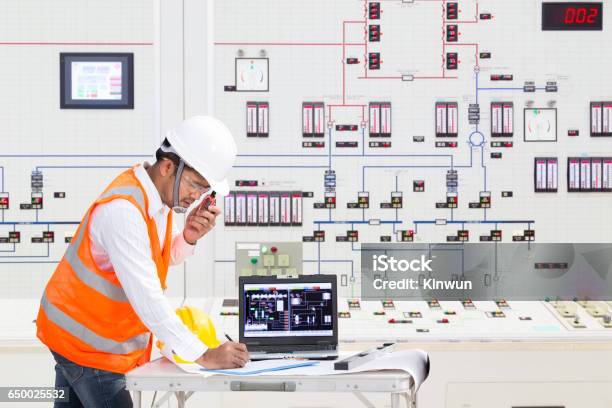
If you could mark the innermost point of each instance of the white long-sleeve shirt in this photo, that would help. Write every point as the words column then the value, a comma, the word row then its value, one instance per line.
column 120, row 242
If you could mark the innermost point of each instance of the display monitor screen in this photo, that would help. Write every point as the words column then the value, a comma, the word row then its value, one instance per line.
column 294, row 309
column 97, row 81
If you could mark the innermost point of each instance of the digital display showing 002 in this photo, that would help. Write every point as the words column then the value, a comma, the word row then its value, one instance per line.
column 571, row 16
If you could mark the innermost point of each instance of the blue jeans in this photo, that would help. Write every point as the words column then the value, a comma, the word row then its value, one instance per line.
column 89, row 387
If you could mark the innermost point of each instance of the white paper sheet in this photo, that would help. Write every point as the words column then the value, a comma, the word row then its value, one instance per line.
column 266, row 367
column 251, row 367
column 191, row 368
column 414, row 362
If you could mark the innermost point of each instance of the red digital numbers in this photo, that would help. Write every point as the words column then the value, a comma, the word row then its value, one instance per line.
column 572, row 16
column 580, row 15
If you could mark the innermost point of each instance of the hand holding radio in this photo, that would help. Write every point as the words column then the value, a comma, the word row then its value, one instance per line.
column 201, row 219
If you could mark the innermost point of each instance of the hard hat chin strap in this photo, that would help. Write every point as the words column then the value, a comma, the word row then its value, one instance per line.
column 175, row 193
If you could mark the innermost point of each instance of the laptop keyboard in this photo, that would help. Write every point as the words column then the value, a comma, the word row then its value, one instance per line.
column 290, row 348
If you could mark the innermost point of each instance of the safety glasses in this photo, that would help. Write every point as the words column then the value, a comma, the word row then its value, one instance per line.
column 194, row 186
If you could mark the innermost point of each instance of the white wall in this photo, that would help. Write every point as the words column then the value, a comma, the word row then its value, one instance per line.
column 37, row 133
column 34, row 128
column 303, row 41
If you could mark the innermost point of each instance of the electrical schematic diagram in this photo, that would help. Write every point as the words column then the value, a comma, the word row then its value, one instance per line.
column 303, row 311
column 423, row 121
column 359, row 121
column 311, row 309
column 267, row 311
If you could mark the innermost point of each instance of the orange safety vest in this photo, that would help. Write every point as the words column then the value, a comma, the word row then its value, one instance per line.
column 84, row 314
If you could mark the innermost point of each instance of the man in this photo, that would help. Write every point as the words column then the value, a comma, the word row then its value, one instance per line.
column 105, row 297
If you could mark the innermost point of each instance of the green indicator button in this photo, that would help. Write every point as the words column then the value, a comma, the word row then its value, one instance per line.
column 254, row 261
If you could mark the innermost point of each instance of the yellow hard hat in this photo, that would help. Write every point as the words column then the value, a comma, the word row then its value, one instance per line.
column 200, row 324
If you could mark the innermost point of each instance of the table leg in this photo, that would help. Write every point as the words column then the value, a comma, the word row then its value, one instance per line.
column 180, row 398
column 137, row 396
column 366, row 402
column 395, row 400
column 411, row 397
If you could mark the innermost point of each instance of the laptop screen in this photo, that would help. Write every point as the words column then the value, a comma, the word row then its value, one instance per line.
column 288, row 309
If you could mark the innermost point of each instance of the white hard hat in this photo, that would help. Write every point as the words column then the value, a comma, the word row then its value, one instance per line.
column 206, row 145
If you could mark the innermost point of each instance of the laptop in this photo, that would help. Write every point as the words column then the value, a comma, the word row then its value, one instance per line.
column 289, row 317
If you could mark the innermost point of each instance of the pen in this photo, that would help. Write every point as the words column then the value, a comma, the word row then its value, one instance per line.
column 228, row 337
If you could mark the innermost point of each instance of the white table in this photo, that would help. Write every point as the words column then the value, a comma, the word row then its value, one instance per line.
column 162, row 375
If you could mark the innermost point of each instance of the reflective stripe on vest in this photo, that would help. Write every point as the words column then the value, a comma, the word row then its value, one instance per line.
column 92, row 279
column 134, row 192
column 87, row 336
column 89, row 278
